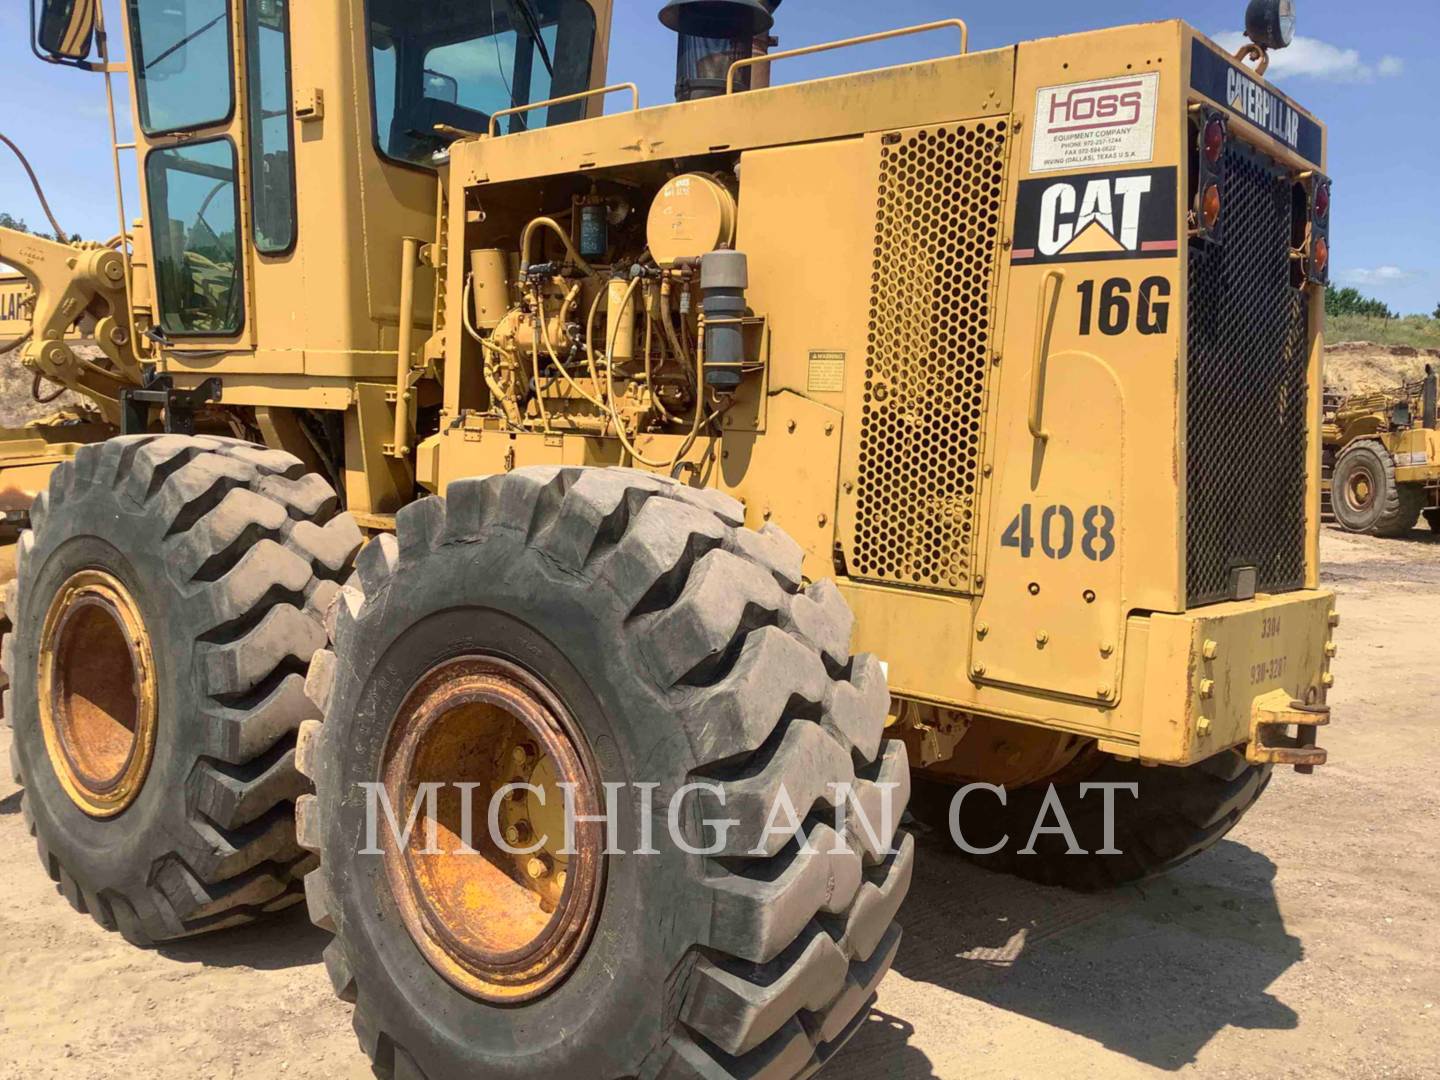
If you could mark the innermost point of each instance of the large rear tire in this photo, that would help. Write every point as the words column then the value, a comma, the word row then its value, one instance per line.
column 169, row 597
column 1366, row 497
column 1178, row 814
column 674, row 646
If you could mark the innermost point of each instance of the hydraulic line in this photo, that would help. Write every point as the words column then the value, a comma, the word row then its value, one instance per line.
column 60, row 234
column 550, row 348
column 695, row 426
column 528, row 236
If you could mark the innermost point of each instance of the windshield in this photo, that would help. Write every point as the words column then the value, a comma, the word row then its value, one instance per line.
column 443, row 67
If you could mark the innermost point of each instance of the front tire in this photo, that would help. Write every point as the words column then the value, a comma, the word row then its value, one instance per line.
column 168, row 600
column 682, row 648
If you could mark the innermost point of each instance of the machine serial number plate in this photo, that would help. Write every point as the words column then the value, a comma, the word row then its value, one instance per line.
column 827, row 372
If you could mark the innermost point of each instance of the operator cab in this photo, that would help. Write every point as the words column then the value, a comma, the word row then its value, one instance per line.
column 253, row 123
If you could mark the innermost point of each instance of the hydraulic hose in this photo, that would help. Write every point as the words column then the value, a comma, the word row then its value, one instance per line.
column 60, row 234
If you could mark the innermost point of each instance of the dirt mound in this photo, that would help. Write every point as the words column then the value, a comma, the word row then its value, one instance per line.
column 1361, row 367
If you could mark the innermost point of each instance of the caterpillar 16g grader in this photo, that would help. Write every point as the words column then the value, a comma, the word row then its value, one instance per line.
column 663, row 425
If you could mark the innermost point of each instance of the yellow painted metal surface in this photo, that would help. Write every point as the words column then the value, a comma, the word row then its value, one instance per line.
column 1417, row 455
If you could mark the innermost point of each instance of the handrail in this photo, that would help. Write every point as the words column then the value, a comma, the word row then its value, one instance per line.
column 634, row 104
column 1044, row 327
column 924, row 28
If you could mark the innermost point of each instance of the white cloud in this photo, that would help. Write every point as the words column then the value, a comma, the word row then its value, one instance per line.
column 1379, row 275
column 1310, row 57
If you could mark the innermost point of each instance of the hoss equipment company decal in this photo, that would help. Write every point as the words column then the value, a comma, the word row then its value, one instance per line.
column 1092, row 124
column 1097, row 216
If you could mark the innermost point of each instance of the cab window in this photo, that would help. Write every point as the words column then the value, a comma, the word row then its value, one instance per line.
column 195, row 208
column 456, row 65
column 182, row 64
column 272, row 163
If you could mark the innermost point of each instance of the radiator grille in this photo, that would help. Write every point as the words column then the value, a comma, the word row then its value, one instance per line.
column 937, row 230
column 1248, row 394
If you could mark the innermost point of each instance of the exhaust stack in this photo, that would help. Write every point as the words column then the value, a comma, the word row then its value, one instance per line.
column 714, row 34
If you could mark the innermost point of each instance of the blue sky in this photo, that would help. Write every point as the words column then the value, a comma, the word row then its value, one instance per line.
column 1374, row 81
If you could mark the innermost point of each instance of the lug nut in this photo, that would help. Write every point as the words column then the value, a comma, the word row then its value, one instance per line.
column 1207, row 688
column 1211, row 650
column 1202, row 726
column 517, row 834
column 522, row 754
column 538, row 867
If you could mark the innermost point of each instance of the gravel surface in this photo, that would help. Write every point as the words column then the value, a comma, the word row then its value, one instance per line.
column 1304, row 945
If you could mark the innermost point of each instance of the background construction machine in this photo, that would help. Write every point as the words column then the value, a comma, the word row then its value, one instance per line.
column 1020, row 347
column 1382, row 454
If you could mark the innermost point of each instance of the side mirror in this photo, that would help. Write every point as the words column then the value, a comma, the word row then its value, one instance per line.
column 66, row 29
column 442, row 87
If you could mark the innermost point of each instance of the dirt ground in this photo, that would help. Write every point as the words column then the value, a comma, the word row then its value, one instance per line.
column 1304, row 945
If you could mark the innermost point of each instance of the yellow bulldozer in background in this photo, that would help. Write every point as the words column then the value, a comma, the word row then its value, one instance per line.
column 663, row 426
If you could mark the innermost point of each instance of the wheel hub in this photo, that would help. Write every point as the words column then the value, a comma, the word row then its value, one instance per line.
column 97, row 693
column 501, row 926
column 1360, row 490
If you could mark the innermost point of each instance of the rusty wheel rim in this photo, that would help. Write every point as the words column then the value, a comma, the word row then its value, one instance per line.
column 97, row 693
column 1360, row 490
column 502, row 927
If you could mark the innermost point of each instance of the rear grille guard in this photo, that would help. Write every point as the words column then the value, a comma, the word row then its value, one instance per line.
column 1247, row 423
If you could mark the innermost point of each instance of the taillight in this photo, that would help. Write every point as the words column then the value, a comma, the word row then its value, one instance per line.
column 1310, row 233
column 1210, row 207
column 1214, row 141
column 1317, row 263
column 1208, row 173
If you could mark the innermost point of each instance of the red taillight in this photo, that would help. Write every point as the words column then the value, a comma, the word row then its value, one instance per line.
column 1214, row 140
column 1210, row 206
column 1320, row 255
column 1322, row 201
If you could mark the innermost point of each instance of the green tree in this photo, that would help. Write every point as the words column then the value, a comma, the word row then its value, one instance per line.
column 1350, row 301
column 8, row 222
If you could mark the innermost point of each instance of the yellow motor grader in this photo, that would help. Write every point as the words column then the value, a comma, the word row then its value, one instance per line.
column 663, row 425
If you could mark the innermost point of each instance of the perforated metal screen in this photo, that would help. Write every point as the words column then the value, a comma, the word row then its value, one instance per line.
column 937, row 232
column 1248, row 391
